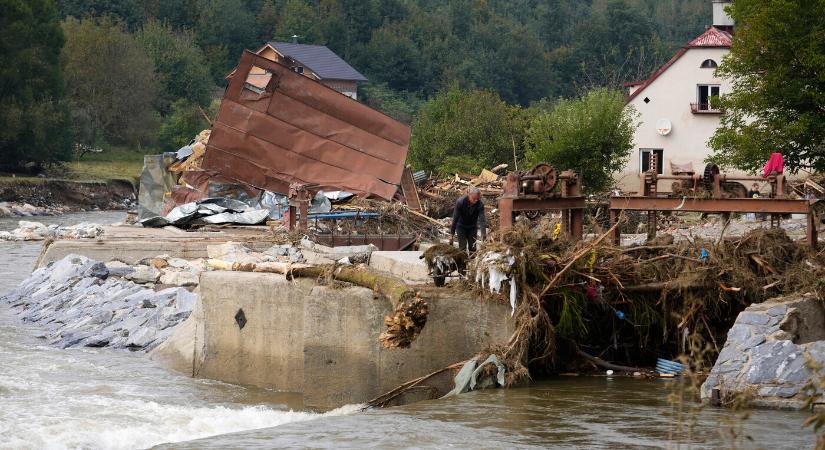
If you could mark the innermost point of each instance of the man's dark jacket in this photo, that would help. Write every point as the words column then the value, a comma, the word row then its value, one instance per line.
column 468, row 217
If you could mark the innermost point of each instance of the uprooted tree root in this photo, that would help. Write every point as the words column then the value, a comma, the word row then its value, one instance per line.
column 405, row 323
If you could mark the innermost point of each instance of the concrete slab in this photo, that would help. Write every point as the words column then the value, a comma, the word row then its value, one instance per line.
column 131, row 244
column 405, row 265
column 322, row 342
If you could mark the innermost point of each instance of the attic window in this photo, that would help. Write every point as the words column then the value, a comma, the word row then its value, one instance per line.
column 257, row 80
column 298, row 69
column 647, row 100
column 709, row 64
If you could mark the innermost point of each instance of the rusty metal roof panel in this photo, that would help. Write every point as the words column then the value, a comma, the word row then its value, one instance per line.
column 298, row 130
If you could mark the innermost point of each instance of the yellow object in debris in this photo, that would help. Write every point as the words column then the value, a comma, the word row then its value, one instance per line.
column 592, row 261
column 556, row 232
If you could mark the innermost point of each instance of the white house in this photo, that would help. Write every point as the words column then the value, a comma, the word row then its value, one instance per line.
column 676, row 104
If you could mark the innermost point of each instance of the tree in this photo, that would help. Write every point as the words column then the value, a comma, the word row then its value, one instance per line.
column 401, row 106
column 182, row 124
column 465, row 131
column 592, row 135
column 225, row 28
column 299, row 18
column 111, row 85
column 266, row 21
column 177, row 13
column 395, row 57
column 129, row 12
column 33, row 114
column 777, row 69
column 179, row 64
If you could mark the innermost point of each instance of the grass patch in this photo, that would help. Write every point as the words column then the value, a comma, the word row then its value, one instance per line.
column 105, row 170
column 117, row 163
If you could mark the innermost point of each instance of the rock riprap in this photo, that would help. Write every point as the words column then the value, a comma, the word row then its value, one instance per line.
column 764, row 357
column 81, row 302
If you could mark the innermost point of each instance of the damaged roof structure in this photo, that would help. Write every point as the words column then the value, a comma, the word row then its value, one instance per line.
column 296, row 130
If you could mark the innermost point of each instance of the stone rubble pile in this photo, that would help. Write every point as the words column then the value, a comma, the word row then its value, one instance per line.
column 764, row 357
column 8, row 209
column 81, row 302
column 36, row 231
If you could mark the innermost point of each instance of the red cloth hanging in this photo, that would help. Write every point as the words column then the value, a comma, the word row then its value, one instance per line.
column 776, row 163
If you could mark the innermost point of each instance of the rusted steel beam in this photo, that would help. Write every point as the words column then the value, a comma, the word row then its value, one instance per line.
column 739, row 205
column 505, row 211
column 813, row 234
column 536, row 204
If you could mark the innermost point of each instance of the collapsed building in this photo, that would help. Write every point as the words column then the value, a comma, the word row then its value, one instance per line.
column 278, row 140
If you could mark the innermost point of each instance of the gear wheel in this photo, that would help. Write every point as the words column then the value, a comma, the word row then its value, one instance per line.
column 707, row 179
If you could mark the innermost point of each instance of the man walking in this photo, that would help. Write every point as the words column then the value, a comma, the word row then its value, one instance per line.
column 468, row 218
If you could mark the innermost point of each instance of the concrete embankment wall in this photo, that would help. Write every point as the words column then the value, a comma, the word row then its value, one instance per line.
column 322, row 342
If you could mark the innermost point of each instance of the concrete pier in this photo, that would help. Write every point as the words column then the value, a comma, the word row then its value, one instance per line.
column 322, row 342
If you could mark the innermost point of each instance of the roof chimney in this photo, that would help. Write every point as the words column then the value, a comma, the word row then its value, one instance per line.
column 721, row 19
column 295, row 36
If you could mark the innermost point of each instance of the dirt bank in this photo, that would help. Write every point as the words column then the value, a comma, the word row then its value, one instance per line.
column 70, row 195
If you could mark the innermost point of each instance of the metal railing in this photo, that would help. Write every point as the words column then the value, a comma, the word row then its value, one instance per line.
column 704, row 108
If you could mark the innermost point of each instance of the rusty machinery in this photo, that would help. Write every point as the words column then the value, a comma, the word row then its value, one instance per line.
column 535, row 190
column 720, row 196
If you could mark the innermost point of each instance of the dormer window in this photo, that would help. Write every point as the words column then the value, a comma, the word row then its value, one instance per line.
column 709, row 64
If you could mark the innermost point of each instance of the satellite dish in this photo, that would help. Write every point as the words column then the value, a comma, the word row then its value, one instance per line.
column 663, row 126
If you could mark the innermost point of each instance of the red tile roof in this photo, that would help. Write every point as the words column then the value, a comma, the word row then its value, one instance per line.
column 711, row 38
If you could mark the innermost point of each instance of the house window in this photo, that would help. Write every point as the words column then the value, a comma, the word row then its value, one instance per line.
column 709, row 64
column 298, row 69
column 707, row 96
column 644, row 163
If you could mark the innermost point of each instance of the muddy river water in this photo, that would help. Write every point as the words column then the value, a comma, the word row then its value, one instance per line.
column 106, row 399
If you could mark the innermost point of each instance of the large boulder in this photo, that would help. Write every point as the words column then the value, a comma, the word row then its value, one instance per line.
column 764, row 357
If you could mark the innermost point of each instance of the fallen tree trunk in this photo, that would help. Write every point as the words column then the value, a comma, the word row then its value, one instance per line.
column 391, row 287
column 659, row 286
column 609, row 366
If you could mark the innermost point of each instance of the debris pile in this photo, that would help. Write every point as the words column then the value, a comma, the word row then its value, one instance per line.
column 443, row 260
column 36, row 231
column 438, row 196
column 645, row 301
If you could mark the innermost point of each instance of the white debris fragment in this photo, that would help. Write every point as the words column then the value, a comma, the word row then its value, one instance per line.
column 493, row 270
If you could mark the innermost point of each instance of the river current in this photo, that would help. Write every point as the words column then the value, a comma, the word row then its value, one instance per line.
column 107, row 399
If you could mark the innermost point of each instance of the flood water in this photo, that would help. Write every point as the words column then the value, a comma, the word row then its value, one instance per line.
column 106, row 399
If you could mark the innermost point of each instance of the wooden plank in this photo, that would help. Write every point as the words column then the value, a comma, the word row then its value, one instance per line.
column 409, row 190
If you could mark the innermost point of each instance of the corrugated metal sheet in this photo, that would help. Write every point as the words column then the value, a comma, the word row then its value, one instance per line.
column 298, row 130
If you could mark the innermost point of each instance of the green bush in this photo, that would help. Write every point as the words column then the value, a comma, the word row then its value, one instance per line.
column 466, row 131
column 182, row 124
column 592, row 135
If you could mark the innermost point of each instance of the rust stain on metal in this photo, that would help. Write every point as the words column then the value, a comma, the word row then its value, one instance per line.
column 296, row 130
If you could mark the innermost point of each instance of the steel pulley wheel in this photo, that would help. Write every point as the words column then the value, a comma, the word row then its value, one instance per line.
column 711, row 170
column 548, row 174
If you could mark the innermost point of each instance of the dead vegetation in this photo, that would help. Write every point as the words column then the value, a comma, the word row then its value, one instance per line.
column 406, row 322
column 635, row 304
